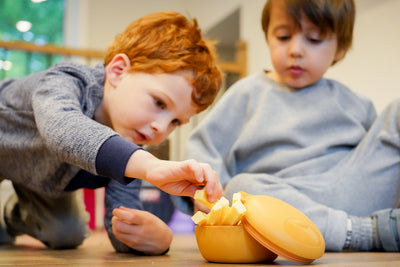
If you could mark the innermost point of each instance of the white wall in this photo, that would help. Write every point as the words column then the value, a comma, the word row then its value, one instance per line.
column 105, row 18
column 372, row 66
column 251, row 32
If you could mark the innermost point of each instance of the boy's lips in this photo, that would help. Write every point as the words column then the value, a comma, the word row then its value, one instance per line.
column 141, row 136
column 296, row 70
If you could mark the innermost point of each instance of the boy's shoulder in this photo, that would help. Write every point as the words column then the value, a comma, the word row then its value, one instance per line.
column 349, row 99
column 73, row 68
column 345, row 90
column 73, row 71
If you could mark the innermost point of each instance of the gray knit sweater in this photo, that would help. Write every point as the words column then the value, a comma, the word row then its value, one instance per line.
column 47, row 131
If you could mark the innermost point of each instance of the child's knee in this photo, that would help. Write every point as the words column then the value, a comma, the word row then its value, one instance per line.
column 65, row 234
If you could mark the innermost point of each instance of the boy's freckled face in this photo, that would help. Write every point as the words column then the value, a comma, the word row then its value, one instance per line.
column 300, row 55
column 146, row 108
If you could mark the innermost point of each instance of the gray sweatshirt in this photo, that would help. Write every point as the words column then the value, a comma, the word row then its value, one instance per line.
column 263, row 137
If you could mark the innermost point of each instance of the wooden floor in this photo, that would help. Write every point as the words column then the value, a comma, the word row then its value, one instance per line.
column 97, row 251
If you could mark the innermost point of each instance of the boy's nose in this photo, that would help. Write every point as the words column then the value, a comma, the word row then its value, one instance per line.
column 296, row 48
column 159, row 126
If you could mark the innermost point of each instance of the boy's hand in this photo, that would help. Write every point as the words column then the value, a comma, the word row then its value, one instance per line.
column 197, row 206
column 141, row 230
column 184, row 178
column 181, row 178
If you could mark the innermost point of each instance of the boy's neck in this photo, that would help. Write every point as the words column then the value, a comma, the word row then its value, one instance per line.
column 274, row 76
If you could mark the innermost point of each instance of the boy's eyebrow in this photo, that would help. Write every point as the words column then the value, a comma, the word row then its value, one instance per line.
column 281, row 26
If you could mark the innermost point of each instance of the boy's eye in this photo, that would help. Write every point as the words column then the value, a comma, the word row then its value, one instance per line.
column 283, row 37
column 159, row 103
column 315, row 40
column 176, row 122
column 314, row 37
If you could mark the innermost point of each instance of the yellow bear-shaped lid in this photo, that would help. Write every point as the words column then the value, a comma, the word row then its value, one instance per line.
column 282, row 228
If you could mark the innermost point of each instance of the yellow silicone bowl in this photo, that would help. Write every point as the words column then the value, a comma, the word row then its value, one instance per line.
column 269, row 228
column 230, row 244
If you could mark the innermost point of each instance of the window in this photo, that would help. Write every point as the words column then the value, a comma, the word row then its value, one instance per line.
column 37, row 21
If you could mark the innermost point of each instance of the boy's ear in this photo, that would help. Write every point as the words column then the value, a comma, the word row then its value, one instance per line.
column 117, row 66
column 339, row 55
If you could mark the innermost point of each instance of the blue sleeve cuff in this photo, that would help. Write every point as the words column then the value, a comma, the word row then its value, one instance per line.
column 113, row 157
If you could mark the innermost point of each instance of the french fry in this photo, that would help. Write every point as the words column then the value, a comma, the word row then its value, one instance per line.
column 201, row 196
column 218, row 211
column 200, row 218
column 235, row 214
column 236, row 197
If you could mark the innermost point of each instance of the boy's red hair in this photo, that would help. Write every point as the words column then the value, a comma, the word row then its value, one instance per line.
column 166, row 42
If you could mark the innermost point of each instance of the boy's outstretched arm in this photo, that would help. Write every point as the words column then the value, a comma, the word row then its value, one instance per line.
column 180, row 178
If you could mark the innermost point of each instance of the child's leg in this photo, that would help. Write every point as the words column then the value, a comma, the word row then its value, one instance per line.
column 364, row 181
column 331, row 222
column 369, row 182
column 370, row 176
column 367, row 178
column 387, row 229
column 58, row 223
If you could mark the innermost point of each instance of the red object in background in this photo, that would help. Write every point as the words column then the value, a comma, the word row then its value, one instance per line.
column 89, row 196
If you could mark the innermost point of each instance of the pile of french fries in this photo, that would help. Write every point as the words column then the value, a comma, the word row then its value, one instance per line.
column 220, row 211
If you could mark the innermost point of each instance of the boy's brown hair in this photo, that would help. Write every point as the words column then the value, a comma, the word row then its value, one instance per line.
column 166, row 42
column 335, row 16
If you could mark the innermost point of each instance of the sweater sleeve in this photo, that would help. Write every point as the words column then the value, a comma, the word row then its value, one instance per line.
column 63, row 105
column 113, row 148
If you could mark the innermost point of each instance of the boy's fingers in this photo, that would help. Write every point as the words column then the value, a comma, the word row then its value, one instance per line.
column 195, row 168
column 121, row 228
column 213, row 186
column 198, row 206
column 129, row 216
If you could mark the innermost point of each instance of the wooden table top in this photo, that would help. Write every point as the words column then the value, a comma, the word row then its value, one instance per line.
column 97, row 251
